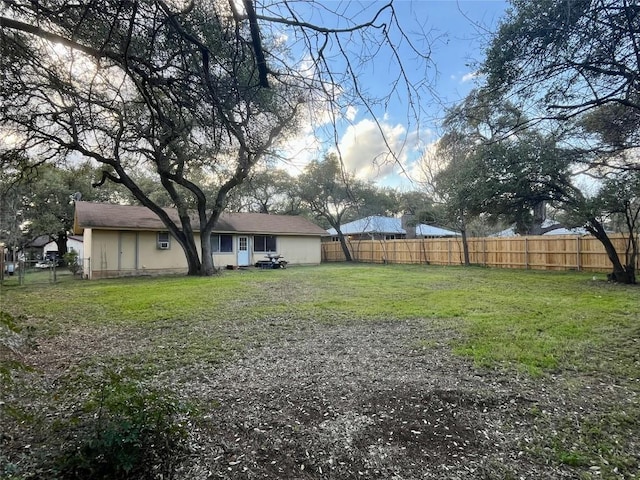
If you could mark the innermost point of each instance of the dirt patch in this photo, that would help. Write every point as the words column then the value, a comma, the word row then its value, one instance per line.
column 357, row 400
column 361, row 401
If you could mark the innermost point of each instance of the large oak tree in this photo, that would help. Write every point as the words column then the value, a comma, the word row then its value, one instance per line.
column 579, row 61
column 569, row 56
column 176, row 89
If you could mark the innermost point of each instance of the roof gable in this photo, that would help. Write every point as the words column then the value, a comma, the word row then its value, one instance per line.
column 107, row 216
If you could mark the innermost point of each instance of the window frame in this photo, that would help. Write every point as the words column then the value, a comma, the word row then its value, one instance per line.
column 218, row 248
column 264, row 240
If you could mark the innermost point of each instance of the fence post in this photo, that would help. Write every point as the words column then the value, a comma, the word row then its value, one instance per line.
column 484, row 251
column 578, row 253
column 502, row 247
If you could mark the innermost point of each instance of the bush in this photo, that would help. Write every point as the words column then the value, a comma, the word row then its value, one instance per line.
column 73, row 262
column 127, row 431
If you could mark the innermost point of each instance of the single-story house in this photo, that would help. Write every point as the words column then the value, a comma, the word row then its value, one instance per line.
column 125, row 240
column 75, row 243
column 387, row 228
column 34, row 250
column 43, row 247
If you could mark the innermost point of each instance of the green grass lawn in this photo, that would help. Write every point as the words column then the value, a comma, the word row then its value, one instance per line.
column 536, row 321
column 76, row 354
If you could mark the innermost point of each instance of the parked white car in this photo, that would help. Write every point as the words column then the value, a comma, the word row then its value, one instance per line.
column 47, row 263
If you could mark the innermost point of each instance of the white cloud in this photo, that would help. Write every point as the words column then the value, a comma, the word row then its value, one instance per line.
column 351, row 113
column 382, row 153
column 469, row 77
column 374, row 151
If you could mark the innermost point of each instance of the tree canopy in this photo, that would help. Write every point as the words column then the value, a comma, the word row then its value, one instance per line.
column 180, row 90
column 38, row 203
column 568, row 56
column 573, row 68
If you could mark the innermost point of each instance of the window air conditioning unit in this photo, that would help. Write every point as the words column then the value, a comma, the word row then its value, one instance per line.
column 163, row 245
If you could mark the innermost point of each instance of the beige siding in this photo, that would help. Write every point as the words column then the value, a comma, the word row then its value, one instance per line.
column 104, row 252
column 300, row 250
column 87, row 239
column 221, row 260
column 115, row 254
column 152, row 258
column 110, row 253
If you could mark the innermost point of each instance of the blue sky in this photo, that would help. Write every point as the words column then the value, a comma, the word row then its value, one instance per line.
column 453, row 32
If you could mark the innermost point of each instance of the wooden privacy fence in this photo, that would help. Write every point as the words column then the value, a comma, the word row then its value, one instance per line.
column 566, row 252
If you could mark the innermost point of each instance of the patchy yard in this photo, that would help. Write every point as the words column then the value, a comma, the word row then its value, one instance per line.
column 361, row 401
column 328, row 373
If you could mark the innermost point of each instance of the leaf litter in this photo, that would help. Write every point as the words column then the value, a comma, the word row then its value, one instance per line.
column 366, row 399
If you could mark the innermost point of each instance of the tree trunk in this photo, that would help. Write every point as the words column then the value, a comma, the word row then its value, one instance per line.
column 194, row 265
column 345, row 247
column 465, row 248
column 539, row 217
column 207, row 268
column 61, row 243
column 620, row 273
column 465, row 243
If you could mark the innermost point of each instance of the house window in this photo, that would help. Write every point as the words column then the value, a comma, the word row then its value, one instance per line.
column 163, row 241
column 221, row 243
column 264, row 243
column 389, row 237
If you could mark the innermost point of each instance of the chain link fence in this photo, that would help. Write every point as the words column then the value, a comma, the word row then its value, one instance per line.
column 33, row 273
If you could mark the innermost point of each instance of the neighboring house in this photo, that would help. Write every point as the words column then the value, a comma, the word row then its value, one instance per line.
column 75, row 243
column 122, row 240
column 551, row 227
column 43, row 247
column 567, row 231
column 387, row 228
column 34, row 250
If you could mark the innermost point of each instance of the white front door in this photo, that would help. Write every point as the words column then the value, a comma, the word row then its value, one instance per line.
column 243, row 251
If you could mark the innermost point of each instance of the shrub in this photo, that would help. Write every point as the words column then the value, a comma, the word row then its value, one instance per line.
column 127, row 431
column 73, row 262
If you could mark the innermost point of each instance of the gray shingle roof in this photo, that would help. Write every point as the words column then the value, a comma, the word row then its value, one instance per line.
column 129, row 217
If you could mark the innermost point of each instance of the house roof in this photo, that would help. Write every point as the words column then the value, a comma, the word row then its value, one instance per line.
column 388, row 226
column 432, row 231
column 107, row 216
column 39, row 241
column 560, row 230
column 372, row 224
column 567, row 231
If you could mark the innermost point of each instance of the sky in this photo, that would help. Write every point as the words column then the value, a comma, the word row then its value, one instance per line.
column 452, row 32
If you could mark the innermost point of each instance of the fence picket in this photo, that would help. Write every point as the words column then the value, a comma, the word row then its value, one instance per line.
column 563, row 252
